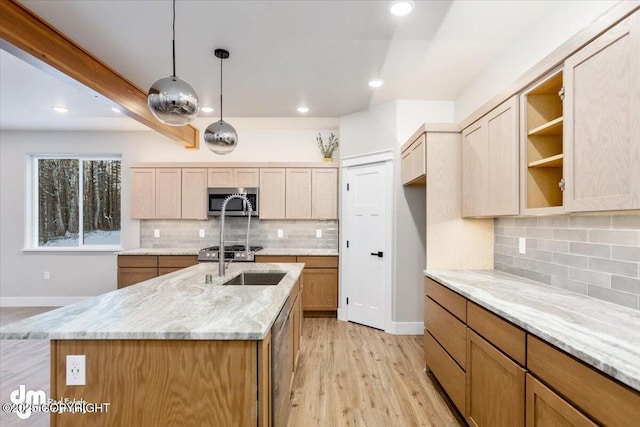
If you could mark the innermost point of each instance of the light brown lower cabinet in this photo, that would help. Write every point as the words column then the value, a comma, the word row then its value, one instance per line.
column 134, row 269
column 320, row 280
column 495, row 386
column 512, row 378
column 546, row 409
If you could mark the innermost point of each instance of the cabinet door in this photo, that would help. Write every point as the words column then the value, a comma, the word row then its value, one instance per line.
column 221, row 177
column 602, row 111
column 194, row 193
column 545, row 408
column 143, row 193
column 495, row 386
column 272, row 193
column 131, row 276
column 474, row 170
column 324, row 194
column 320, row 289
column 295, row 337
column 246, row 177
column 298, row 190
column 168, row 193
column 502, row 160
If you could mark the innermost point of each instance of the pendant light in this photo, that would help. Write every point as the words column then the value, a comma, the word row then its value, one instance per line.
column 220, row 136
column 172, row 100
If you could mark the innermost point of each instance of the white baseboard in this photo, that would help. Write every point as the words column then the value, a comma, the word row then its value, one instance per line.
column 342, row 315
column 406, row 328
column 38, row 301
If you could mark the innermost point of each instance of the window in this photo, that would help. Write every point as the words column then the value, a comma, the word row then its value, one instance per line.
column 76, row 202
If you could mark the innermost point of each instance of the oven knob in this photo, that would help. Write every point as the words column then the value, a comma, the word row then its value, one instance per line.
column 243, row 255
column 208, row 255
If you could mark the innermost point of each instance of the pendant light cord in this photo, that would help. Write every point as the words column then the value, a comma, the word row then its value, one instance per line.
column 174, row 38
column 220, row 89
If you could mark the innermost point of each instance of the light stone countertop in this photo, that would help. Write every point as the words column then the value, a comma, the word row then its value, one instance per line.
column 192, row 251
column 175, row 306
column 601, row 334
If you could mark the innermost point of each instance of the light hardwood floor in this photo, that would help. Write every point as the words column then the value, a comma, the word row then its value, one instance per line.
column 23, row 362
column 352, row 375
column 348, row 375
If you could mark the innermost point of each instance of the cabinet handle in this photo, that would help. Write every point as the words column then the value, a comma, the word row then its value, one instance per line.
column 561, row 184
column 561, row 94
column 378, row 254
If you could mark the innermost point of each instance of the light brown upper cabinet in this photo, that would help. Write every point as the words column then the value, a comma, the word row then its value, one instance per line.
column 194, row 193
column 234, row 177
column 272, row 193
column 324, row 193
column 542, row 145
column 602, row 112
column 414, row 161
column 298, row 193
column 490, row 163
column 156, row 193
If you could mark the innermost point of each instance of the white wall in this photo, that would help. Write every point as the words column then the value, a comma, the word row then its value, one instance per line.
column 75, row 275
column 383, row 127
column 564, row 20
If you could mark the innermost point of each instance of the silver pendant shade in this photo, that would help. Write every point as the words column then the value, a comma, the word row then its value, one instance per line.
column 172, row 100
column 220, row 136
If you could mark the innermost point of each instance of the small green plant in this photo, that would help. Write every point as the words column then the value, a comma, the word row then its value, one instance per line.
column 328, row 149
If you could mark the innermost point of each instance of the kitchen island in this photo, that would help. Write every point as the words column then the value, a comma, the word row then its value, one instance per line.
column 173, row 350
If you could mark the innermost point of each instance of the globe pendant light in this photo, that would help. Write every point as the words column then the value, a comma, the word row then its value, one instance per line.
column 220, row 136
column 172, row 100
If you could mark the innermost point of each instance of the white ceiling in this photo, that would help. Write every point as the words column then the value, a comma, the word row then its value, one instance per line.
column 284, row 54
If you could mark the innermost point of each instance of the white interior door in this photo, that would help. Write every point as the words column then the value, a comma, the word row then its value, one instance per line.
column 365, row 231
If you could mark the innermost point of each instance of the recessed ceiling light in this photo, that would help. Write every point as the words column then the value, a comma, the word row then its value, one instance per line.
column 401, row 8
column 115, row 110
column 206, row 109
column 303, row 110
column 59, row 109
column 376, row 83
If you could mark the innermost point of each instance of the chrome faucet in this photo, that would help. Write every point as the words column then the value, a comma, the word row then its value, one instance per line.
column 221, row 264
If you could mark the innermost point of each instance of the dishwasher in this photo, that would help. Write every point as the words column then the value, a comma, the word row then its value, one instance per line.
column 281, row 365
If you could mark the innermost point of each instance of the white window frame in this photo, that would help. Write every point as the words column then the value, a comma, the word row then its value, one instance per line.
column 32, row 207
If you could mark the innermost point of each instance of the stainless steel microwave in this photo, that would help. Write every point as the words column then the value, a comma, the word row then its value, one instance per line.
column 235, row 207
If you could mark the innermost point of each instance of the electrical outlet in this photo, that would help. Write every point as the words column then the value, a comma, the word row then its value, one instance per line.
column 76, row 369
column 202, row 232
column 47, row 276
column 156, row 233
column 522, row 245
column 280, row 233
column 318, row 233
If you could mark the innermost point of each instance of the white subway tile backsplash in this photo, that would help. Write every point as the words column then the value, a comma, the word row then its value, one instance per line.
column 598, row 255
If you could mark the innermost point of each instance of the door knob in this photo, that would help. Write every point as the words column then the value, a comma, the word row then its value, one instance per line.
column 378, row 254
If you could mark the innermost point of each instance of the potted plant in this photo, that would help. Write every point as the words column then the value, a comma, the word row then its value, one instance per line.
column 328, row 149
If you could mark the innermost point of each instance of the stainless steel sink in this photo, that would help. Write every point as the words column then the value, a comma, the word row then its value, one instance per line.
column 255, row 279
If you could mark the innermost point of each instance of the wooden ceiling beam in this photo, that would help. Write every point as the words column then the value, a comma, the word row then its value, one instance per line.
column 26, row 31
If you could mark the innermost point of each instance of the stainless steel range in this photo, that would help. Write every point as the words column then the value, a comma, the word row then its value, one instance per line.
column 232, row 253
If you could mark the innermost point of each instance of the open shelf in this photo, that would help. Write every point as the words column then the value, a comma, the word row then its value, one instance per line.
column 552, row 128
column 548, row 162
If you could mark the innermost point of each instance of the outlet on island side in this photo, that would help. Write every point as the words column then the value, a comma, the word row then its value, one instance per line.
column 76, row 369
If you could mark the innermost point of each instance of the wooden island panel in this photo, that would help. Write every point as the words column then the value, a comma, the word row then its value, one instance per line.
column 160, row 382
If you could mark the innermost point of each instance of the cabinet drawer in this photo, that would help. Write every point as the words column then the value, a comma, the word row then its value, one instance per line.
column 128, row 276
column 447, row 330
column 137, row 261
column 181, row 261
column 502, row 334
column 275, row 258
column 607, row 401
column 454, row 303
column 448, row 373
column 544, row 408
column 319, row 261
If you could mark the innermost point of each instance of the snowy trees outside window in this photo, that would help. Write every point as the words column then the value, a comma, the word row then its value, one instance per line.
column 78, row 201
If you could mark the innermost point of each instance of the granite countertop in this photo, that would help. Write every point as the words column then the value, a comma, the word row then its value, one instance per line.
column 175, row 306
column 601, row 334
column 186, row 251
